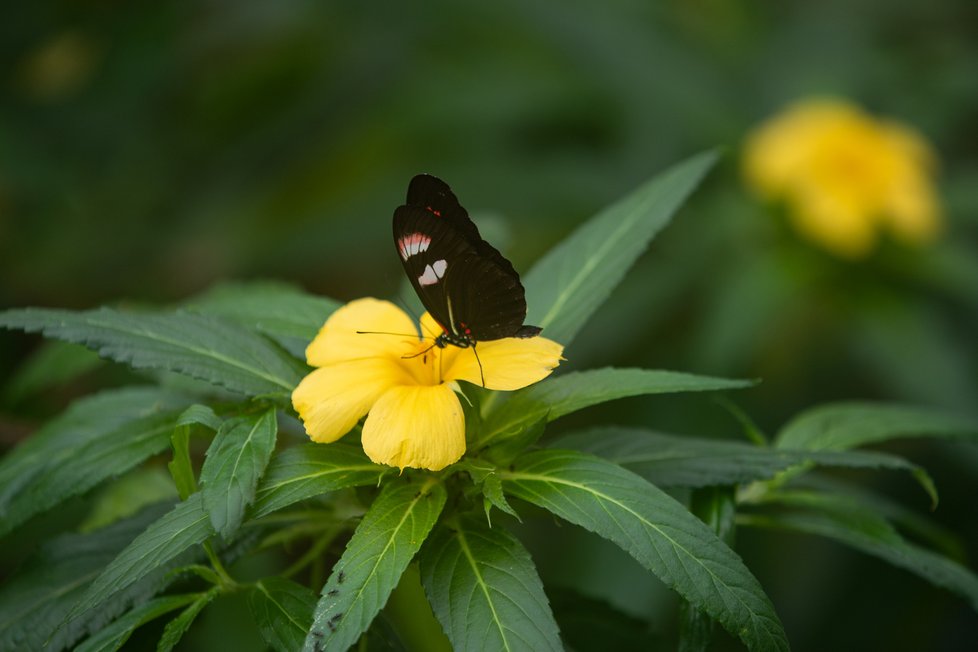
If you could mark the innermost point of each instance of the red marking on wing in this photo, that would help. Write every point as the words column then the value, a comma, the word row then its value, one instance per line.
column 433, row 211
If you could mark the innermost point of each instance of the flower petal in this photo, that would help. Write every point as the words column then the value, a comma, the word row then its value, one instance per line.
column 507, row 364
column 332, row 399
column 429, row 327
column 339, row 341
column 419, row 426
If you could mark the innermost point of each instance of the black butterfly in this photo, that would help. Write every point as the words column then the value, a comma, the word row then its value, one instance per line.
column 464, row 282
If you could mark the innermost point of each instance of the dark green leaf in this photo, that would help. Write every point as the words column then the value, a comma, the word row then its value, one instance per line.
column 312, row 470
column 185, row 526
column 590, row 624
column 176, row 628
column 492, row 491
column 115, row 635
column 95, row 439
column 847, row 425
column 205, row 347
column 181, row 466
column 235, row 462
column 36, row 600
column 846, row 521
column 485, row 591
column 199, row 415
column 683, row 461
column 657, row 531
column 282, row 610
column 715, row 506
column 382, row 546
column 556, row 397
column 51, row 365
column 574, row 278
column 283, row 312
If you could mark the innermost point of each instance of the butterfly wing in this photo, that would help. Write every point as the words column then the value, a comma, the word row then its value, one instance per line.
column 470, row 289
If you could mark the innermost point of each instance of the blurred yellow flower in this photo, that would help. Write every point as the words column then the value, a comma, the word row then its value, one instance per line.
column 845, row 175
column 404, row 383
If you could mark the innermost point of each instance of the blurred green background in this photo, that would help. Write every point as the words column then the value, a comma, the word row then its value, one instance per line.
column 149, row 150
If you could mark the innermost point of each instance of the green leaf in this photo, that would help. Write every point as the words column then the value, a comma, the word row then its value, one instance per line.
column 199, row 415
column 683, row 461
column 860, row 527
column 95, row 439
column 176, row 628
column 35, row 601
column 115, row 635
column 282, row 610
column 235, row 462
column 574, row 278
column 657, row 531
column 839, row 426
column 559, row 396
column 715, row 506
column 484, row 589
column 283, row 312
column 184, row 526
column 204, row 347
column 53, row 364
column 492, row 491
column 181, row 466
column 312, row 470
column 382, row 546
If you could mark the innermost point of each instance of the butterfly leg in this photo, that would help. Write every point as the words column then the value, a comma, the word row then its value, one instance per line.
column 482, row 375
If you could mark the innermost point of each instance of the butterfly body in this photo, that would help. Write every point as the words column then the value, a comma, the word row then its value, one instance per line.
column 466, row 285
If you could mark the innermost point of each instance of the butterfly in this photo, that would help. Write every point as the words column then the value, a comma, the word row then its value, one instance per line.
column 466, row 285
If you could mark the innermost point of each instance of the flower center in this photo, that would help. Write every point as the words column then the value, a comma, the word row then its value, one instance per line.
column 422, row 359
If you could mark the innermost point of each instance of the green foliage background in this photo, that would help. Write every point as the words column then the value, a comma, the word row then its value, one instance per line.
column 149, row 150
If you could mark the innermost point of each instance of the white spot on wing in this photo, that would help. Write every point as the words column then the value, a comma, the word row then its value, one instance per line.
column 412, row 244
column 429, row 277
column 433, row 272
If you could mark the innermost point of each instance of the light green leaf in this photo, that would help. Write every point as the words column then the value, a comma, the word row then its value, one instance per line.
column 235, row 462
column 484, row 589
column 176, row 628
column 574, row 278
column 185, row 526
column 283, row 312
column 846, row 521
column 36, row 599
column 312, row 470
column 95, row 439
column 115, row 635
column 657, row 531
column 204, row 347
column 839, row 426
column 559, row 396
column 683, row 461
column 382, row 546
column 282, row 610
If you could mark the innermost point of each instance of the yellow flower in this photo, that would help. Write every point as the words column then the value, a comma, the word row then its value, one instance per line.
column 845, row 175
column 406, row 385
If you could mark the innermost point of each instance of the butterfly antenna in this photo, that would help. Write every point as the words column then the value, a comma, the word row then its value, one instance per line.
column 482, row 376
column 386, row 333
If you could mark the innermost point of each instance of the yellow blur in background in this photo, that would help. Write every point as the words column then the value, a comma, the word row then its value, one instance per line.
column 845, row 176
